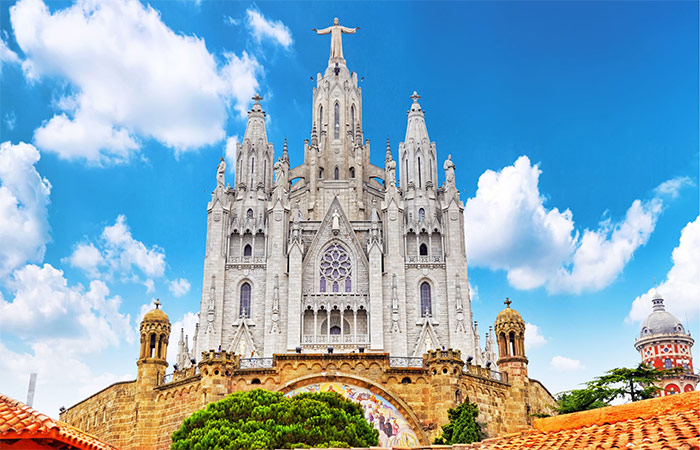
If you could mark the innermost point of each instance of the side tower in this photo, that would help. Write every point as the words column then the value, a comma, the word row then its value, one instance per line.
column 155, row 333
column 664, row 344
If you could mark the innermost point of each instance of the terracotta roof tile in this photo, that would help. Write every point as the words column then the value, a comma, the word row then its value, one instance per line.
column 19, row 421
column 671, row 422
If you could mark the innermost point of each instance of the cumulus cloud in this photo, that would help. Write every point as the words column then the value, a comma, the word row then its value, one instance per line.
column 263, row 28
column 6, row 55
column 533, row 338
column 124, row 252
column 240, row 81
column 24, row 198
column 87, row 258
column 681, row 288
column 118, row 253
column 509, row 228
column 131, row 78
column 564, row 364
column 179, row 287
column 44, row 308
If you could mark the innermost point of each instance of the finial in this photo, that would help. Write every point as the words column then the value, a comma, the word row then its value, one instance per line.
column 415, row 97
column 157, row 303
column 257, row 98
column 285, row 156
column 507, row 302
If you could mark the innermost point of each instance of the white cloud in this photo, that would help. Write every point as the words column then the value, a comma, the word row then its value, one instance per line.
column 179, row 287
column 10, row 120
column 230, row 155
column 564, row 364
column 672, row 187
column 239, row 80
column 262, row 28
column 24, row 198
column 7, row 55
column 508, row 227
column 681, row 288
column 73, row 321
column 228, row 20
column 123, row 252
column 533, row 338
column 87, row 258
column 131, row 76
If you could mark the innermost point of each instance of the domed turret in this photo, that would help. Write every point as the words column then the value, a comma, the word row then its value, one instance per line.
column 155, row 332
column 664, row 344
column 510, row 334
column 660, row 321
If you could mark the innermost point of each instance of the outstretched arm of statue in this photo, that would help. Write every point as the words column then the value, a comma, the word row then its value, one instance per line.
column 323, row 31
column 347, row 30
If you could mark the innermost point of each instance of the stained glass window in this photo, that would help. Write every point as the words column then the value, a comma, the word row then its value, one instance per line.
column 245, row 300
column 336, row 269
column 426, row 306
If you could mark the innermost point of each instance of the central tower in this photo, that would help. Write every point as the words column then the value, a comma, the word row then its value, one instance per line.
column 335, row 252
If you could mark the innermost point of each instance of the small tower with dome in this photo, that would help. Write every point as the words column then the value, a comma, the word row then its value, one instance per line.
column 664, row 344
column 155, row 332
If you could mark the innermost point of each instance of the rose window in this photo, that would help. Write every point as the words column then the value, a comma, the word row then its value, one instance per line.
column 336, row 270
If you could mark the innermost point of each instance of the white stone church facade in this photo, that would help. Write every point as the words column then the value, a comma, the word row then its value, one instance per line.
column 337, row 252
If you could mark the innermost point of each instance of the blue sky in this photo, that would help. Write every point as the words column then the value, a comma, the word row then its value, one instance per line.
column 573, row 126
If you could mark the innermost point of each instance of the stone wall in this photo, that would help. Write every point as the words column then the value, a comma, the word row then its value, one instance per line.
column 140, row 415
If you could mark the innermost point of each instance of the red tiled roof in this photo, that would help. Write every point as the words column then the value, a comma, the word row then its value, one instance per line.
column 19, row 421
column 669, row 422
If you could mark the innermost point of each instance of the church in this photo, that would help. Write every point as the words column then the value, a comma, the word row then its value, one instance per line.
column 335, row 275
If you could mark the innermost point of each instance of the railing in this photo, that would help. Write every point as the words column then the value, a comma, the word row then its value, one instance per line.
column 167, row 378
column 498, row 376
column 423, row 259
column 411, row 361
column 336, row 339
column 256, row 363
column 246, row 260
column 485, row 372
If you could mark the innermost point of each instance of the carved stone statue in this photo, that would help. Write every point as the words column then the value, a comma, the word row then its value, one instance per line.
column 280, row 173
column 221, row 173
column 390, row 169
column 449, row 171
column 336, row 31
column 335, row 222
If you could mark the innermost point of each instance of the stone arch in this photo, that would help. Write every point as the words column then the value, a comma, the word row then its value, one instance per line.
column 368, row 384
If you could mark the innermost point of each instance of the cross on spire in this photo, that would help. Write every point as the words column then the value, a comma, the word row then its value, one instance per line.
column 507, row 302
column 157, row 303
column 415, row 96
column 257, row 98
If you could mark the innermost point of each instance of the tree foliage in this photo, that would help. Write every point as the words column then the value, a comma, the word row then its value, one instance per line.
column 261, row 419
column 463, row 427
column 637, row 383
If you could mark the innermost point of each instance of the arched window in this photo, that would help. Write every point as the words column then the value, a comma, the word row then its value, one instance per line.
column 430, row 166
column 249, row 214
column 668, row 364
column 320, row 173
column 406, row 171
column 335, row 270
column 352, row 172
column 320, row 118
column 265, row 171
column 252, row 171
column 426, row 304
column 335, row 329
column 247, row 250
column 336, row 122
column 352, row 119
column 423, row 250
column 245, row 300
column 420, row 178
column 336, row 174
column 421, row 215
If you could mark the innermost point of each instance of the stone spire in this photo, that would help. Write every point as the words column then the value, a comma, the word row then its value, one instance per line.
column 416, row 129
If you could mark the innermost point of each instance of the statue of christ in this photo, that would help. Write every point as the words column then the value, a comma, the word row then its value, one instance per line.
column 336, row 32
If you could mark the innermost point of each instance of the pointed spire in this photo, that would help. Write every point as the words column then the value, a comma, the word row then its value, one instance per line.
column 416, row 128
column 388, row 151
column 658, row 301
column 285, row 155
column 314, row 137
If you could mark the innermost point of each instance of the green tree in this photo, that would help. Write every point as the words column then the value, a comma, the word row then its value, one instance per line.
column 637, row 383
column 261, row 419
column 463, row 427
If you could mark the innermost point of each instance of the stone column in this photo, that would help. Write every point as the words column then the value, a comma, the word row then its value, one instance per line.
column 376, row 302
column 294, row 301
